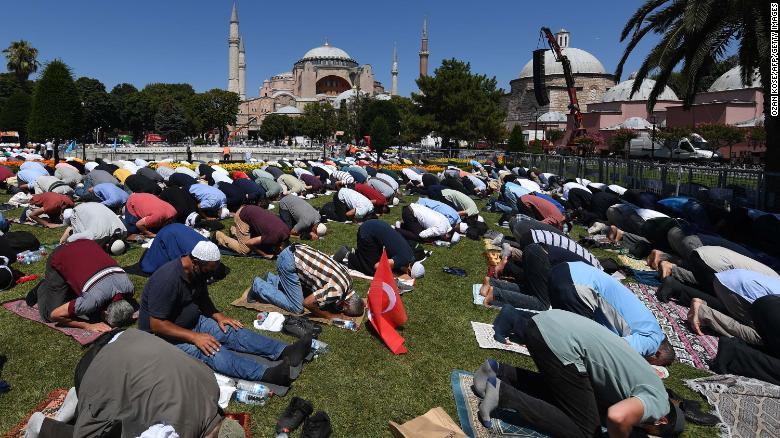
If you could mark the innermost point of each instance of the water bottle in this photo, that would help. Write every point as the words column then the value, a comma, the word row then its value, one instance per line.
column 42, row 251
column 319, row 347
column 253, row 387
column 349, row 325
column 252, row 398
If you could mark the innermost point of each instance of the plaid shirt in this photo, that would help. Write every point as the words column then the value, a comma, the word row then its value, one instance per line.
column 322, row 276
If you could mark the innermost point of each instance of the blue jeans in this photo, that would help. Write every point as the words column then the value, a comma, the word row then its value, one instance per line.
column 283, row 290
column 225, row 361
column 130, row 221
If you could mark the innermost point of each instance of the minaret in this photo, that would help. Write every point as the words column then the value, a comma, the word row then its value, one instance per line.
column 424, row 50
column 241, row 70
column 233, row 52
column 394, row 88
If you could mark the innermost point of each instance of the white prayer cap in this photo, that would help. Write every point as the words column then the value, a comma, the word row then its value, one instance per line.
column 418, row 270
column 322, row 230
column 396, row 201
column 463, row 227
column 455, row 238
column 191, row 219
column 224, row 213
column 206, row 251
column 66, row 215
column 118, row 247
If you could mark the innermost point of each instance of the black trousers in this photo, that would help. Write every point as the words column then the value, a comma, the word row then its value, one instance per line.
column 579, row 198
column 563, row 294
column 558, row 400
column 536, row 266
column 685, row 294
column 410, row 226
column 56, row 429
column 339, row 208
column 53, row 291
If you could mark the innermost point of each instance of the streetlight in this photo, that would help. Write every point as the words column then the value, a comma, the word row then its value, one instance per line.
column 652, row 138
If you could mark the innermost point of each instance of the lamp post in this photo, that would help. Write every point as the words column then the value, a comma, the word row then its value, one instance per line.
column 652, row 139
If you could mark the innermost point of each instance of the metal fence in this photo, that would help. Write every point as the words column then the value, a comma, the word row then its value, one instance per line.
column 722, row 184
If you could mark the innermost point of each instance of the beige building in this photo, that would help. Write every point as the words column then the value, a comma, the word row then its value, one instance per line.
column 590, row 78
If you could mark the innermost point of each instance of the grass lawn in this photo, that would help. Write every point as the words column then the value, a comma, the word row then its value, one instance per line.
column 360, row 384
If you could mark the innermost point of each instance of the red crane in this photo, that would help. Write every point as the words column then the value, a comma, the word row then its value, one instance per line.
column 574, row 105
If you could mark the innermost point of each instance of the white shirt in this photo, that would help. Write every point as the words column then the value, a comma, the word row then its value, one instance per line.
column 353, row 199
column 617, row 189
column 434, row 223
column 573, row 185
column 598, row 186
column 528, row 184
column 388, row 179
column 221, row 177
column 412, row 175
column 583, row 181
column 298, row 172
column 647, row 214
column 186, row 171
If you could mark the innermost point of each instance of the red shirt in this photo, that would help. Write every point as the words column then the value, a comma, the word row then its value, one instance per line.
column 375, row 196
column 266, row 224
column 147, row 206
column 5, row 173
column 52, row 203
column 544, row 210
column 77, row 262
column 239, row 175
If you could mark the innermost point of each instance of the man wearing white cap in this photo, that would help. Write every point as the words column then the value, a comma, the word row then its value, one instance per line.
column 372, row 237
column 176, row 306
column 421, row 224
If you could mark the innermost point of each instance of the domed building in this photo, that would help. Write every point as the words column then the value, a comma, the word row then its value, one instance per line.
column 590, row 79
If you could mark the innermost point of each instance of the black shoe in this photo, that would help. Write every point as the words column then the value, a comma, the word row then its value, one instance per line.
column 694, row 414
column 297, row 411
column 317, row 426
column 32, row 297
column 341, row 254
column 297, row 352
column 300, row 327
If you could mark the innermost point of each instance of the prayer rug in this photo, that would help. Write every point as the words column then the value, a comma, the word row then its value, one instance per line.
column 484, row 334
column 479, row 300
column 265, row 307
column 243, row 419
column 230, row 253
column 747, row 407
column 49, row 406
column 635, row 264
column 19, row 307
column 504, row 423
column 691, row 349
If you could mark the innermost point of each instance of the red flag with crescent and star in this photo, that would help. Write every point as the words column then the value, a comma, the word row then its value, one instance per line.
column 385, row 308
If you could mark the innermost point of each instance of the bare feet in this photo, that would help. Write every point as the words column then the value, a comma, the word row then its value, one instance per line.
column 489, row 296
column 655, row 258
column 483, row 290
column 665, row 268
column 614, row 234
column 693, row 316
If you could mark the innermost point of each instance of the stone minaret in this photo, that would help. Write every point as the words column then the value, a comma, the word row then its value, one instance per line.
column 394, row 88
column 424, row 50
column 233, row 52
column 241, row 70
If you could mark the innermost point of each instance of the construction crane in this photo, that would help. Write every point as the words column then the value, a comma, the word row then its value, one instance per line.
column 239, row 128
column 574, row 105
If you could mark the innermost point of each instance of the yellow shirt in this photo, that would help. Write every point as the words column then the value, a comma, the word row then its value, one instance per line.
column 122, row 174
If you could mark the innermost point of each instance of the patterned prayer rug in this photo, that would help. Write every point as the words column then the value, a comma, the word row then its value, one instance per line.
column 747, row 407
column 467, row 404
column 19, row 307
column 484, row 334
column 49, row 406
column 690, row 348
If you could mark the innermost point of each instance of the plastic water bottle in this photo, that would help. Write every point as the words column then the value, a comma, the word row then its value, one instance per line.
column 349, row 325
column 254, row 387
column 251, row 398
column 42, row 251
column 319, row 347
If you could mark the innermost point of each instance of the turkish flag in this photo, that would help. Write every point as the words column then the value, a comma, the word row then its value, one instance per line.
column 385, row 308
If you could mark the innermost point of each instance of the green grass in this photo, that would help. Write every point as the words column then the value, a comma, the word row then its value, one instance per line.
column 360, row 384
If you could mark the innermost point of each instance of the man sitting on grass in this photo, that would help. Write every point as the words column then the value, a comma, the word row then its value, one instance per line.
column 176, row 306
column 309, row 279
column 83, row 287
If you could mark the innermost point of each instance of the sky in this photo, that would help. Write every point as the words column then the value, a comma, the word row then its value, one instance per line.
column 145, row 41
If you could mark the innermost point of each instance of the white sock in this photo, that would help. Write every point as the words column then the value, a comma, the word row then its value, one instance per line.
column 34, row 425
column 68, row 409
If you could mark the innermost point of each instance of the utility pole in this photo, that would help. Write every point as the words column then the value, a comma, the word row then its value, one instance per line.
column 652, row 146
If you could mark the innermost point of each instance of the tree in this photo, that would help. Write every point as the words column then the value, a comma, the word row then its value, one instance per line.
column 619, row 140
column 136, row 114
column 554, row 134
column 318, row 121
column 461, row 105
column 677, row 81
column 215, row 109
column 56, row 107
column 385, row 109
column 586, row 143
column 413, row 125
column 22, row 60
column 275, row 127
column 698, row 33
column 15, row 114
column 170, row 121
column 99, row 108
column 381, row 135
column 516, row 141
column 720, row 135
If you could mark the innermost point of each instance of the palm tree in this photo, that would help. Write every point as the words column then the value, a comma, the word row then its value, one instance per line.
column 698, row 33
column 22, row 59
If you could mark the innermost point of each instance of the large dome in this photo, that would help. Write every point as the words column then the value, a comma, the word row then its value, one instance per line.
column 581, row 62
column 622, row 91
column 732, row 80
column 326, row 51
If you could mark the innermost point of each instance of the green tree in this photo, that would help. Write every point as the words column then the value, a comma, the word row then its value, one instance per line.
column 275, row 127
column 15, row 114
column 99, row 108
column 156, row 94
column 381, row 135
column 585, row 144
column 318, row 121
column 384, row 109
column 719, row 135
column 22, row 60
column 215, row 109
column 554, row 134
column 461, row 105
column 516, row 142
column 413, row 125
column 171, row 121
column 619, row 140
column 56, row 107
column 698, row 33
column 136, row 114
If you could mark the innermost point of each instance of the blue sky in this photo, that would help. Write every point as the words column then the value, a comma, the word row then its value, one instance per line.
column 143, row 41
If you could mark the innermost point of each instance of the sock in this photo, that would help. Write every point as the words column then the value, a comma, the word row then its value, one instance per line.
column 488, row 369
column 68, row 409
column 298, row 351
column 489, row 402
column 34, row 425
column 278, row 375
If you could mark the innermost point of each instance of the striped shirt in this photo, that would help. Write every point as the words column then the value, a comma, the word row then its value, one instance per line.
column 345, row 177
column 328, row 280
column 553, row 239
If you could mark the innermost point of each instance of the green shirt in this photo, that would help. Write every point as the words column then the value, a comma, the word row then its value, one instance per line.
column 461, row 201
column 616, row 371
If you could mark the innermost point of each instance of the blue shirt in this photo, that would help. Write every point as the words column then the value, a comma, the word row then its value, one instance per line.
column 208, row 197
column 618, row 309
column 750, row 285
column 30, row 174
column 450, row 213
column 516, row 189
column 675, row 203
column 110, row 195
column 552, row 201
column 172, row 242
